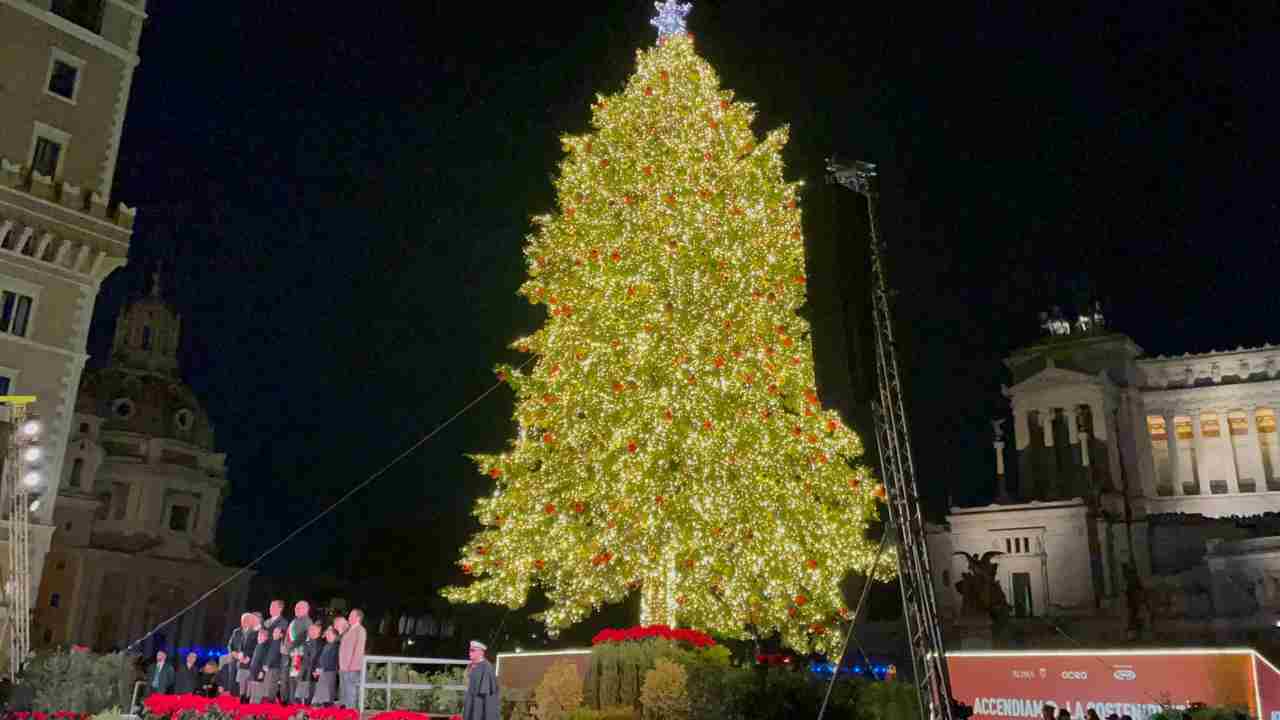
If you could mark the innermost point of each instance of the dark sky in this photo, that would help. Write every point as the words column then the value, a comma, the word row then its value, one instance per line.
column 342, row 192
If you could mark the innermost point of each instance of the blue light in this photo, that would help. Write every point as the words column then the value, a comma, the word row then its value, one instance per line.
column 670, row 19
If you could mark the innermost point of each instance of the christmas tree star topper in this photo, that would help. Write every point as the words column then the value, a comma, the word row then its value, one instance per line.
column 670, row 19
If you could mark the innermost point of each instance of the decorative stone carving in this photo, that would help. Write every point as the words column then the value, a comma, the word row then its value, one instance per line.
column 980, row 591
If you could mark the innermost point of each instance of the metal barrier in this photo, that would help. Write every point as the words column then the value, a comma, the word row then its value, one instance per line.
column 134, row 709
column 388, row 686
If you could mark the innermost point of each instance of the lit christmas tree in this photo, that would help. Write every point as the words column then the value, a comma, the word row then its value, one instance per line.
column 671, row 441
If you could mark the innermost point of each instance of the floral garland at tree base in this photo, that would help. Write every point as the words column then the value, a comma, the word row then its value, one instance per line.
column 646, row 632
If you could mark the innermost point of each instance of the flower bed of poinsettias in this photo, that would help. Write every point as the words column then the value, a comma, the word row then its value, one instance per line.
column 194, row 707
column 645, row 632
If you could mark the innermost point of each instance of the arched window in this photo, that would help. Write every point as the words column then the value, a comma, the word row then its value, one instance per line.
column 77, row 468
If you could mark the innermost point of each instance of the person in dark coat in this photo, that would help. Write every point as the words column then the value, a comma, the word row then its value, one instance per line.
column 258, row 667
column 160, row 679
column 311, row 648
column 248, row 646
column 326, row 672
column 188, row 677
column 483, row 700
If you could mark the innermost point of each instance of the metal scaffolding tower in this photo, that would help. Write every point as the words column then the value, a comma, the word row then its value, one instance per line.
column 893, row 438
column 19, row 497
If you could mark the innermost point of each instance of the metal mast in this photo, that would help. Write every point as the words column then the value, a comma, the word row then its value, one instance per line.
column 893, row 438
column 19, row 497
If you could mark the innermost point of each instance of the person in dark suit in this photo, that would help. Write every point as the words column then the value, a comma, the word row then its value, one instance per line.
column 258, row 668
column 311, row 648
column 187, row 678
column 161, row 677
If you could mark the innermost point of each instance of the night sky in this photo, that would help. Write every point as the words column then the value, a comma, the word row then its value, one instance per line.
column 341, row 192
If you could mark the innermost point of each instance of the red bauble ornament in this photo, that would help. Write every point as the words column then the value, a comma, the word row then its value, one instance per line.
column 799, row 280
column 666, row 415
column 628, row 200
column 680, row 600
column 549, row 508
column 791, row 612
column 832, row 425
column 669, row 199
column 579, row 508
column 706, row 156
column 648, row 170
column 719, row 361
column 554, row 370
column 495, row 473
column 792, row 203
column 658, row 499
column 796, row 431
column 632, row 447
column 705, row 194
column 538, row 564
column 811, row 564
column 706, row 424
column 615, row 256
column 466, row 568
column 482, row 551
column 648, row 92
column 811, row 438
column 548, row 438
column 786, row 342
column 618, row 387
column 880, row 493
column 724, row 104
column 773, row 389
column 713, row 124
column 854, row 482
column 568, row 212
column 604, row 163
column 664, row 75
column 631, row 291
column 801, row 600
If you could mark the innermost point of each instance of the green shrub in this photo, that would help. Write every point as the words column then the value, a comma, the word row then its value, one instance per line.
column 80, row 682
column 665, row 694
column 442, row 700
column 558, row 693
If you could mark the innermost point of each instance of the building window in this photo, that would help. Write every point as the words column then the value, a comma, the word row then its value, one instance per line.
column 84, row 428
column 179, row 517
column 5, row 383
column 15, row 313
column 45, row 157
column 85, row 13
column 48, row 150
column 55, row 600
column 77, row 468
column 64, row 75
column 146, row 337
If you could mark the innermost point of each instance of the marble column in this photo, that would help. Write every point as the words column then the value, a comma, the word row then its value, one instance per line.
column 1046, row 423
column 1073, row 430
column 1002, row 490
column 1202, row 471
column 1021, row 428
column 1175, row 460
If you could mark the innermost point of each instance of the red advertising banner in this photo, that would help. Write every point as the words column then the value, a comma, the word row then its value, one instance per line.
column 1135, row 683
column 1268, row 679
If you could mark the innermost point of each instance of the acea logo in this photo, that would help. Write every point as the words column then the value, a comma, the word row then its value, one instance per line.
column 1127, row 674
column 1075, row 675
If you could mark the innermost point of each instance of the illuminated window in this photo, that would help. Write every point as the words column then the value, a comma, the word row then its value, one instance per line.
column 1209, row 426
column 1156, row 426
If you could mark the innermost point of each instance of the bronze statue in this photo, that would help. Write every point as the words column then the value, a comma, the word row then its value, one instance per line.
column 979, row 589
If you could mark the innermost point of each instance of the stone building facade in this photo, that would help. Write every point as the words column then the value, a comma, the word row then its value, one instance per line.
column 140, row 494
column 66, row 68
column 1134, row 481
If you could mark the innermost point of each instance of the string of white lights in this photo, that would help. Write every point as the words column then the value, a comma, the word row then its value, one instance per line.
column 316, row 518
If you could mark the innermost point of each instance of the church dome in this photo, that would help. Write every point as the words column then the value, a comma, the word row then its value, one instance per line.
column 147, row 403
column 140, row 389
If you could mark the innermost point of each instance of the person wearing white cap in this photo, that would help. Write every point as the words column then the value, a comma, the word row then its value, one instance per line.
column 483, row 701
